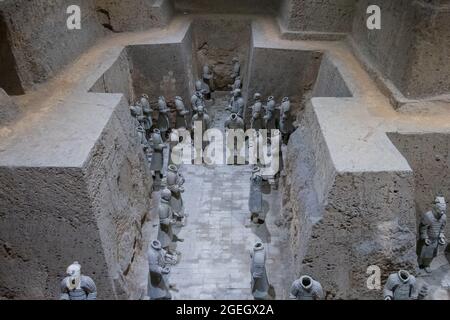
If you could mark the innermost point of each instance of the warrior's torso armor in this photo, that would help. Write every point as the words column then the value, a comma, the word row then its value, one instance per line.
column 86, row 291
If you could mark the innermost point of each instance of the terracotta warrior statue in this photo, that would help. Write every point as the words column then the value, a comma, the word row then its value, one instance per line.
column 158, row 146
column 158, row 279
column 182, row 114
column 255, row 199
column 269, row 117
column 401, row 286
column 257, row 121
column 77, row 286
column 431, row 233
column 147, row 113
column 285, row 119
column 306, row 288
column 236, row 68
column 197, row 100
column 175, row 181
column 259, row 284
column 236, row 104
column 166, row 222
column 163, row 117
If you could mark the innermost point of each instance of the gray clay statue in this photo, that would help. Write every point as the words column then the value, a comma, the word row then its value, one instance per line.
column 401, row 286
column 255, row 197
column 269, row 117
column 182, row 113
column 285, row 119
column 158, row 147
column 158, row 279
column 163, row 117
column 236, row 104
column 257, row 121
column 166, row 220
column 237, row 84
column 175, row 181
column 431, row 233
column 77, row 286
column 147, row 111
column 260, row 283
column 197, row 100
column 203, row 117
column 306, row 288
column 236, row 68
column 234, row 122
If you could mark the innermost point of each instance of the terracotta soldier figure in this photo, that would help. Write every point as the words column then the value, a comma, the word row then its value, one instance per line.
column 166, row 221
column 236, row 104
column 158, row 147
column 163, row 117
column 269, row 117
column 259, row 284
column 182, row 113
column 158, row 282
column 257, row 121
column 401, row 286
column 236, row 68
column 77, row 286
column 147, row 113
column 285, row 119
column 175, row 181
column 306, row 288
column 255, row 198
column 431, row 233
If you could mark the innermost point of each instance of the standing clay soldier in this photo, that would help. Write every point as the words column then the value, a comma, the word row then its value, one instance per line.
column 401, row 286
column 234, row 122
column 77, row 286
column 142, row 138
column 197, row 100
column 137, row 112
column 147, row 113
column 158, row 282
column 202, row 87
column 236, row 68
column 236, row 104
column 237, row 84
column 208, row 78
column 259, row 284
column 201, row 116
column 257, row 122
column 255, row 198
column 285, row 119
column 158, row 147
column 163, row 117
column 166, row 221
column 182, row 113
column 431, row 232
column 306, row 288
column 175, row 181
column 269, row 118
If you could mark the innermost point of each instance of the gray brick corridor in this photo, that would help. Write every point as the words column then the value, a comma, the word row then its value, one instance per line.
column 215, row 261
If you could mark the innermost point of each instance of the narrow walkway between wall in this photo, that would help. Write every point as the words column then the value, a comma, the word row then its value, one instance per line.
column 215, row 260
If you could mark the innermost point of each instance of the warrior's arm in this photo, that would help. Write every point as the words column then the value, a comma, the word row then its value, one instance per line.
column 423, row 228
column 64, row 291
column 441, row 232
column 388, row 292
column 90, row 288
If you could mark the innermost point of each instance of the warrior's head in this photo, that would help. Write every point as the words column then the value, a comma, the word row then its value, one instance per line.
column 172, row 168
column 257, row 96
column 237, row 93
column 198, row 85
column 235, row 60
column 285, row 99
column 233, row 117
column 74, row 275
column 440, row 207
column 200, row 110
